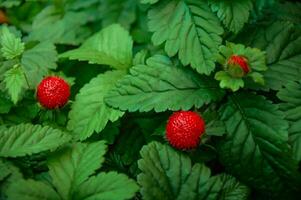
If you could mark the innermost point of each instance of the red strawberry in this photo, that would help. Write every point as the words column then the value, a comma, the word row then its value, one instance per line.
column 53, row 92
column 239, row 61
column 184, row 129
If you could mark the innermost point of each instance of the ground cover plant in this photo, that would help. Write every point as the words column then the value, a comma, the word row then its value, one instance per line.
column 150, row 99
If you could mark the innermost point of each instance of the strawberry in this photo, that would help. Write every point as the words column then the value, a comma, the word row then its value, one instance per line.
column 53, row 92
column 3, row 18
column 184, row 129
column 238, row 66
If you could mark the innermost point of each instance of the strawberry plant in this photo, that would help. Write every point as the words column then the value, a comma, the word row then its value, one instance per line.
column 150, row 99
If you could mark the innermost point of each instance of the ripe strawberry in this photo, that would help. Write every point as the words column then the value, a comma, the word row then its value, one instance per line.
column 184, row 129
column 53, row 92
column 240, row 62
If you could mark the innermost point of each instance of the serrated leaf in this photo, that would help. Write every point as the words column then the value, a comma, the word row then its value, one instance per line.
column 167, row 174
column 15, row 82
column 227, row 81
column 140, row 57
column 89, row 112
column 72, row 166
column 11, row 46
column 109, row 186
column 234, row 14
column 26, row 139
column 161, row 86
column 111, row 46
column 282, row 43
column 232, row 189
column 188, row 28
column 255, row 148
column 291, row 95
column 37, row 62
column 31, row 190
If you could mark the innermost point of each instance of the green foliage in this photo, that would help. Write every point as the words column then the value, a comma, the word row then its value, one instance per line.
column 232, row 189
column 281, row 41
column 259, row 128
column 11, row 46
column 161, row 86
column 188, row 28
column 111, row 186
column 130, row 65
column 37, row 62
column 255, row 60
column 122, row 12
column 291, row 95
column 31, row 190
column 70, row 169
column 9, row 3
column 15, row 81
column 72, row 166
column 234, row 14
column 26, row 139
column 89, row 112
column 167, row 174
column 111, row 46
column 149, row 1
column 50, row 25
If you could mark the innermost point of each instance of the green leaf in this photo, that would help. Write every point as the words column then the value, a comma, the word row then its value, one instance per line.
column 89, row 112
column 215, row 128
column 111, row 46
column 79, row 4
column 122, row 12
column 109, row 186
column 37, row 62
column 140, row 57
column 160, row 85
column 72, row 166
column 15, row 82
column 10, row 173
column 148, row 1
column 26, row 139
column 291, row 95
column 11, row 46
column 188, row 28
column 50, row 25
column 255, row 148
column 281, row 41
column 227, row 81
column 167, row 174
column 232, row 189
column 10, row 3
column 4, row 170
column 234, row 14
column 31, row 190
